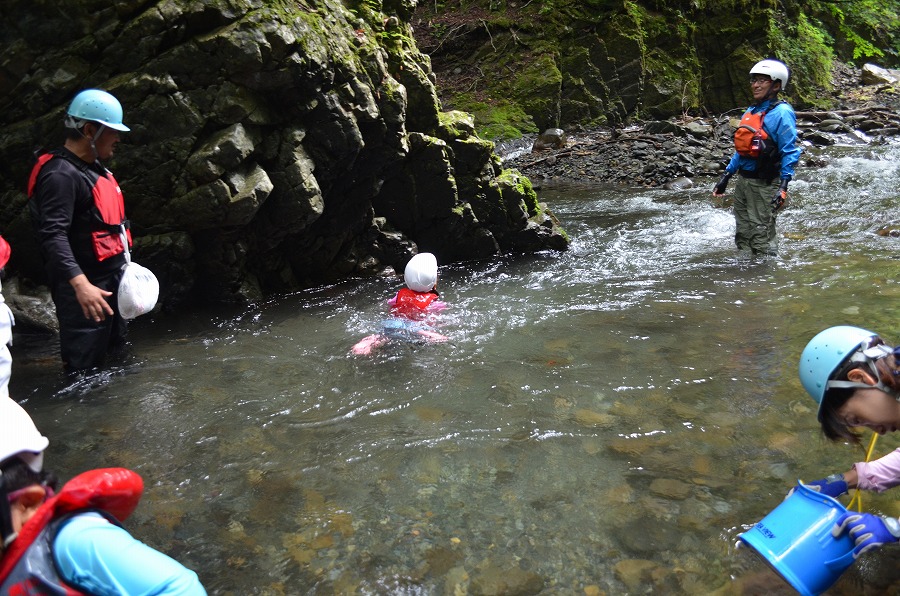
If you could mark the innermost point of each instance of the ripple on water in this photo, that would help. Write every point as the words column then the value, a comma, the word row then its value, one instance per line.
column 602, row 420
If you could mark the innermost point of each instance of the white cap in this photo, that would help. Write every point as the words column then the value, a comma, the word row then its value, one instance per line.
column 421, row 272
column 19, row 437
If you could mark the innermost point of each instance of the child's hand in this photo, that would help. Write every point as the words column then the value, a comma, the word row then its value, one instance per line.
column 868, row 531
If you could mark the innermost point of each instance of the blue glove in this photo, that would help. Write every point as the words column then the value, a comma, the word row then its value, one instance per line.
column 868, row 531
column 833, row 486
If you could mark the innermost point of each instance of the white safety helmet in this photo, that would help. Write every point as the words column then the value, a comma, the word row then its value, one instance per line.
column 19, row 437
column 774, row 69
column 421, row 272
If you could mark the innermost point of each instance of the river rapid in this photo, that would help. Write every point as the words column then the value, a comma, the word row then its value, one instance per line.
column 602, row 421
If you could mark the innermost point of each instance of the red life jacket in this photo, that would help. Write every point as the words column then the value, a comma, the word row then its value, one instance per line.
column 27, row 566
column 108, row 212
column 5, row 252
column 750, row 138
column 411, row 304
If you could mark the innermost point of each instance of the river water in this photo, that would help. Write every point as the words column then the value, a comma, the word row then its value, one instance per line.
column 602, row 421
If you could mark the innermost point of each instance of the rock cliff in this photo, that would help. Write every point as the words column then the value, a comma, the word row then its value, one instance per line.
column 274, row 144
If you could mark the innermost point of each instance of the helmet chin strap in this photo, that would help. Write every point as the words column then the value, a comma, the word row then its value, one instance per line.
column 93, row 141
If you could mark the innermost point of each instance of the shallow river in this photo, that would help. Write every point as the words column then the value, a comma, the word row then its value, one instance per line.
column 603, row 421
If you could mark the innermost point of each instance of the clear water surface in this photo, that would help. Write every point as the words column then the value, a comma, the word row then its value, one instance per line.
column 603, row 421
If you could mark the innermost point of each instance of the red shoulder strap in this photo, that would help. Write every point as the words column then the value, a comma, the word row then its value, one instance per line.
column 32, row 179
column 27, row 535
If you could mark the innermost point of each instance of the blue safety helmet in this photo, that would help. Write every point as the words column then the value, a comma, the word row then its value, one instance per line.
column 828, row 351
column 95, row 105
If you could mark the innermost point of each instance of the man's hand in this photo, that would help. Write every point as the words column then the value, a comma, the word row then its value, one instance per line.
column 721, row 185
column 91, row 298
column 780, row 198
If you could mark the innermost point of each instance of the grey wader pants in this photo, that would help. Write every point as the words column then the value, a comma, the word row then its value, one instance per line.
column 753, row 216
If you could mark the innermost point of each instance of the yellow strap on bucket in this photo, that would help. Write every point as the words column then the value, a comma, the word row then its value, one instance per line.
column 857, row 497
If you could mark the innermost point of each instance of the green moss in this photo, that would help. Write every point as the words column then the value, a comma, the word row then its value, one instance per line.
column 497, row 121
column 671, row 57
column 807, row 49
column 537, row 88
column 513, row 182
column 457, row 124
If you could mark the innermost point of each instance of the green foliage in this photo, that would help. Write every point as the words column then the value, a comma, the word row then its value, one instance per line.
column 806, row 48
column 865, row 24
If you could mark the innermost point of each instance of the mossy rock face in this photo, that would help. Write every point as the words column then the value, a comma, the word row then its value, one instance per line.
column 301, row 141
column 612, row 62
column 537, row 90
column 456, row 124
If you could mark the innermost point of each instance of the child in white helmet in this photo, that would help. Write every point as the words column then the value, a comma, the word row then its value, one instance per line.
column 854, row 377
column 71, row 541
column 410, row 308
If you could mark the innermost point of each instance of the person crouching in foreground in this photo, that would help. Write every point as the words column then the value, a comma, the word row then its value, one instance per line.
column 54, row 543
column 410, row 308
column 854, row 377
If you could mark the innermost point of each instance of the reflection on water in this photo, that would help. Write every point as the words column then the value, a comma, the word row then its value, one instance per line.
column 606, row 420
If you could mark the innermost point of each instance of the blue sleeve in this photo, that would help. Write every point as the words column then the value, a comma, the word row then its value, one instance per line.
column 102, row 558
column 784, row 129
column 733, row 165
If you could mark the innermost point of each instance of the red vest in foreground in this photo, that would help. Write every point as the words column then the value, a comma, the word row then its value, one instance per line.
column 27, row 566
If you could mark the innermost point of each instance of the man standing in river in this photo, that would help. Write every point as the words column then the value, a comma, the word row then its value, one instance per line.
column 79, row 214
column 766, row 151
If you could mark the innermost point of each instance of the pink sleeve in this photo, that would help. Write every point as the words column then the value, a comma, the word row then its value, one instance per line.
column 393, row 301
column 437, row 306
column 880, row 474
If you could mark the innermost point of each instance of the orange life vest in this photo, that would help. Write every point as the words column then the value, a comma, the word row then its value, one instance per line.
column 751, row 138
column 109, row 208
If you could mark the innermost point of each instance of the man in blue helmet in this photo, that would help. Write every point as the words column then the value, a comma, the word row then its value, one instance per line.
column 79, row 215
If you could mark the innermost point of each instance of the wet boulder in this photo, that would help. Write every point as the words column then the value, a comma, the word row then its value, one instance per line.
column 876, row 75
column 552, row 138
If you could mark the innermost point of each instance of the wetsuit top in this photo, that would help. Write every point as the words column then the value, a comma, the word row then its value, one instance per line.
column 781, row 126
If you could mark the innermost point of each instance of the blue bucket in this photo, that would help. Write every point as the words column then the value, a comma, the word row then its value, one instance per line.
column 795, row 539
